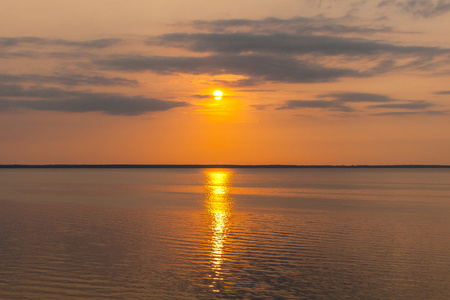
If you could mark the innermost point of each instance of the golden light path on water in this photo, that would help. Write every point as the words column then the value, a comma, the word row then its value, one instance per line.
column 219, row 206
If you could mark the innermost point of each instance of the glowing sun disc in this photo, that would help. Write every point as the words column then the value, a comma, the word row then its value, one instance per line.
column 218, row 95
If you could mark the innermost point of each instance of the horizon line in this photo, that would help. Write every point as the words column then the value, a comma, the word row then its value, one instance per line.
column 197, row 166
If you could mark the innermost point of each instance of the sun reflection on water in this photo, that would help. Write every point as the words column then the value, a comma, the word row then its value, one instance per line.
column 219, row 206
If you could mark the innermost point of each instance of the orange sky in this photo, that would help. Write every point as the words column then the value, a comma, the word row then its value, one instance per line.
column 304, row 82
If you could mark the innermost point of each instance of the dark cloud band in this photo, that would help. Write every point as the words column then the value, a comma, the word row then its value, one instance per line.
column 52, row 99
column 282, row 43
column 35, row 41
column 68, row 79
column 292, row 25
column 262, row 67
column 341, row 101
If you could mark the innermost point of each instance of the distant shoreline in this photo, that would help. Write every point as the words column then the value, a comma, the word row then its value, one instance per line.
column 212, row 166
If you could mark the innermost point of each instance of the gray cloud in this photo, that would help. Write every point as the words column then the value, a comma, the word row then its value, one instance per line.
column 257, row 90
column 198, row 96
column 425, row 8
column 422, row 8
column 413, row 105
column 405, row 113
column 17, row 91
column 257, row 67
column 289, row 40
column 260, row 106
column 20, row 41
column 331, row 105
column 443, row 93
column 68, row 79
column 18, row 54
column 341, row 101
column 244, row 82
column 284, row 47
column 52, row 99
column 281, row 43
column 357, row 97
column 41, row 48
column 292, row 25
column 396, row 113
column 240, row 82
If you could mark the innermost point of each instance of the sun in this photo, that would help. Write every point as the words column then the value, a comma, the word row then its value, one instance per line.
column 218, row 95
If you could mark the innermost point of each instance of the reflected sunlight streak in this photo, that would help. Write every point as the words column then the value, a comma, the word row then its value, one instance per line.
column 219, row 206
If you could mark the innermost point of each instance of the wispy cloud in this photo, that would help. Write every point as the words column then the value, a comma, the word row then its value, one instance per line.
column 68, row 79
column 199, row 96
column 413, row 105
column 342, row 102
column 337, row 101
column 331, row 105
column 407, row 113
column 263, row 67
column 357, row 97
column 260, row 106
column 53, row 99
column 282, row 43
column 297, row 50
column 37, row 41
column 299, row 25
column 422, row 8
column 258, row 90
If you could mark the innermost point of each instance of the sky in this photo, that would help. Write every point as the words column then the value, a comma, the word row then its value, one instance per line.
column 304, row 82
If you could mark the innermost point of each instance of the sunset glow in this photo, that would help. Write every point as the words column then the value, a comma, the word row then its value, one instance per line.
column 300, row 82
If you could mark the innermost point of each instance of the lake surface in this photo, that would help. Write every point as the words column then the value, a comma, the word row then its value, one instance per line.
column 222, row 233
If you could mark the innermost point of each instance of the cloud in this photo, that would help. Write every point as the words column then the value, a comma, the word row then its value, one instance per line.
column 337, row 101
column 18, row 54
column 443, row 93
column 256, row 67
column 242, row 82
column 253, row 54
column 52, row 99
column 68, row 79
column 357, row 97
column 36, row 41
column 260, row 106
column 17, row 91
column 422, row 8
column 425, row 8
column 331, row 105
column 292, row 25
column 257, row 90
column 41, row 48
column 198, row 96
column 406, row 113
column 413, row 105
column 341, row 101
column 282, row 43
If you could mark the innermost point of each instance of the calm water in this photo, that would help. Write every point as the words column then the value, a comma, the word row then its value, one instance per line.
column 243, row 233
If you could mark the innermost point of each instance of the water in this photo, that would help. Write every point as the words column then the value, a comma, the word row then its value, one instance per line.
column 242, row 233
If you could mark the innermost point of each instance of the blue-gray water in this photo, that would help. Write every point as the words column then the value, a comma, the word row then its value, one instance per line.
column 243, row 233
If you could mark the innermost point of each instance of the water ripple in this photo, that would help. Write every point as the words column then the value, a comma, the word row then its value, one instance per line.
column 220, row 244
